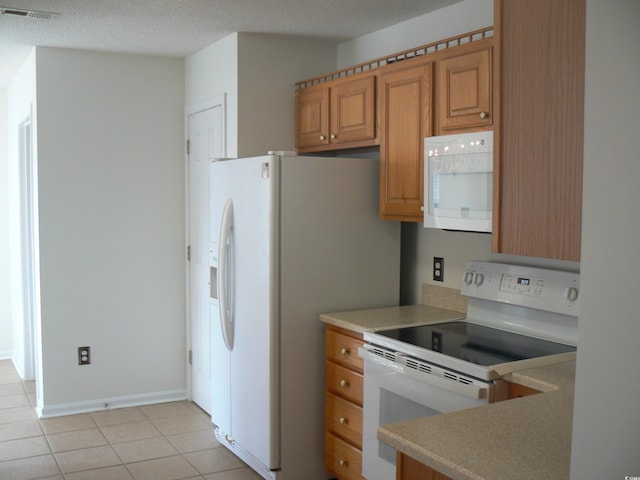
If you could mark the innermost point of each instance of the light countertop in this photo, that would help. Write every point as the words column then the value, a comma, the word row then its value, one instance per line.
column 392, row 317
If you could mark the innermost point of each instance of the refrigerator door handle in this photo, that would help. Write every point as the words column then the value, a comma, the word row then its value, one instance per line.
column 225, row 275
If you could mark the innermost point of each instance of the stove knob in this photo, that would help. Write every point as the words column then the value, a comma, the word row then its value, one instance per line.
column 478, row 279
column 468, row 278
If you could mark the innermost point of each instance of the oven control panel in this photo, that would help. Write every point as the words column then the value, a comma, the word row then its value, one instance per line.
column 521, row 285
column 544, row 289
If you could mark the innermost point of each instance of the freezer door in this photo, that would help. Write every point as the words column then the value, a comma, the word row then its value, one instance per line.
column 245, row 350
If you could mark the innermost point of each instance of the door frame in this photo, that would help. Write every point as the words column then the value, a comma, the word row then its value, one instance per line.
column 27, row 192
column 213, row 102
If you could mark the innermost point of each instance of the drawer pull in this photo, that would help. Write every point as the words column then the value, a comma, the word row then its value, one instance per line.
column 343, row 421
column 484, row 115
column 345, row 351
column 343, row 463
column 322, row 137
column 344, row 383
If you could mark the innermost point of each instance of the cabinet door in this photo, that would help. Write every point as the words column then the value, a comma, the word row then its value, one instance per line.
column 341, row 459
column 538, row 137
column 405, row 120
column 353, row 110
column 312, row 116
column 464, row 91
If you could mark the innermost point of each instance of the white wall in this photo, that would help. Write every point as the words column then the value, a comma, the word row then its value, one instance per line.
column 6, row 340
column 21, row 101
column 256, row 73
column 606, row 433
column 268, row 67
column 211, row 72
column 420, row 245
column 459, row 18
column 111, row 200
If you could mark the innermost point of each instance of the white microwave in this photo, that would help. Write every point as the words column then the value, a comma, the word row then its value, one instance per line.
column 458, row 181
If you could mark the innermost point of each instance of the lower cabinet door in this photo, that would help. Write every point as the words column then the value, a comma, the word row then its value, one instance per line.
column 341, row 459
column 343, row 418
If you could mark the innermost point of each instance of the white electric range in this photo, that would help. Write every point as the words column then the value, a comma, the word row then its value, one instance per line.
column 518, row 317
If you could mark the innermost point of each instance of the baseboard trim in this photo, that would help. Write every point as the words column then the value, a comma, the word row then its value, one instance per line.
column 6, row 354
column 98, row 404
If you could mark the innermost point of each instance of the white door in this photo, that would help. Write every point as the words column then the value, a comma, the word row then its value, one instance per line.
column 205, row 143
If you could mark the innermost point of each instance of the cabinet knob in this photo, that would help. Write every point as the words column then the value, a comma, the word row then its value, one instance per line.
column 333, row 136
column 484, row 115
column 342, row 462
column 344, row 383
column 345, row 351
column 322, row 137
column 343, row 421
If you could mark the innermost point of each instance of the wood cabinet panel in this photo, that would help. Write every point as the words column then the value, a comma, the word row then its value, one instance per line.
column 344, row 382
column 343, row 403
column 538, row 136
column 516, row 390
column 353, row 110
column 410, row 469
column 344, row 419
column 405, row 120
column 464, row 89
column 341, row 459
column 337, row 114
column 312, row 117
column 343, row 349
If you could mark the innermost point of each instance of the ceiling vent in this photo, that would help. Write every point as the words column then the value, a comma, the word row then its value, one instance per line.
column 16, row 12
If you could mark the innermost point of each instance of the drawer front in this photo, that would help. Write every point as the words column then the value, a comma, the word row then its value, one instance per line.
column 344, row 382
column 341, row 459
column 343, row 349
column 344, row 419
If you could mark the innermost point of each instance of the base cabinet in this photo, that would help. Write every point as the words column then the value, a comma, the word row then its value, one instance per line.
column 343, row 404
column 411, row 469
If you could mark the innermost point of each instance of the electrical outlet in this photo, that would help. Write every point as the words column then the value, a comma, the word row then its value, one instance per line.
column 84, row 355
column 438, row 269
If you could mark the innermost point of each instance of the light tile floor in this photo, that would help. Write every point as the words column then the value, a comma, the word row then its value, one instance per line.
column 168, row 441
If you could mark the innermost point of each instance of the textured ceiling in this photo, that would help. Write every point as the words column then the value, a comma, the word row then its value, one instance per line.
column 182, row 27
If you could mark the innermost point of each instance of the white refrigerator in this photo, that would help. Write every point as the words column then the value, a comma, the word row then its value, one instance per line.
column 291, row 238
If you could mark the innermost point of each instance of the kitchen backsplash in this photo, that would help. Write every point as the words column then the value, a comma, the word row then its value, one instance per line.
column 444, row 297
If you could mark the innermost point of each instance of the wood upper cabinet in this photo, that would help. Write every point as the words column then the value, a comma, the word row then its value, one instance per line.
column 405, row 120
column 337, row 114
column 312, row 116
column 538, row 132
column 464, row 88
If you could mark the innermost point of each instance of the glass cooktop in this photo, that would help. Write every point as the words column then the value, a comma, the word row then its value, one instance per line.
column 475, row 343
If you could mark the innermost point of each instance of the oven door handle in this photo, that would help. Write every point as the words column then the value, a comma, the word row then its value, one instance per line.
column 468, row 390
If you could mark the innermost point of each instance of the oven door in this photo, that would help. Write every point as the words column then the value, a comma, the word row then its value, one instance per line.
column 398, row 388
